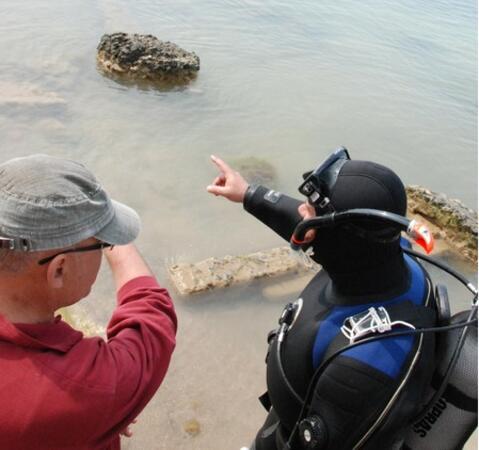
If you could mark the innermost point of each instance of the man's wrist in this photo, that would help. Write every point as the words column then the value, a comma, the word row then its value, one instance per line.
column 126, row 263
column 250, row 190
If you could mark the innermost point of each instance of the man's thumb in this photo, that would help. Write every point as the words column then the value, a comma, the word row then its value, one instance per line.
column 216, row 190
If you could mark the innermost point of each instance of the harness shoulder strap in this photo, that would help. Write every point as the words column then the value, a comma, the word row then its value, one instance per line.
column 418, row 316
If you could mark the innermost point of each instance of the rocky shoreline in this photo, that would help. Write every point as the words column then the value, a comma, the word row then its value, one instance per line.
column 454, row 227
column 449, row 220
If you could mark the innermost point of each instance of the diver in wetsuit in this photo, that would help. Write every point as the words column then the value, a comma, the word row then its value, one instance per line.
column 366, row 395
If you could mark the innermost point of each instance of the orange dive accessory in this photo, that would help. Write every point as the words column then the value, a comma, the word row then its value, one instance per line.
column 420, row 234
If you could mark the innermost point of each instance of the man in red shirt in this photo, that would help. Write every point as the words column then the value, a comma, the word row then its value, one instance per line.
column 58, row 389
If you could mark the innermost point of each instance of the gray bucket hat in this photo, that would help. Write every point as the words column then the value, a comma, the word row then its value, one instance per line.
column 49, row 203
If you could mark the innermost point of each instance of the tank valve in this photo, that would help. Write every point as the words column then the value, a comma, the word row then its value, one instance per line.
column 313, row 433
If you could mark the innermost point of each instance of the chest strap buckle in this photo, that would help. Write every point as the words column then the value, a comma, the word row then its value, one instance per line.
column 366, row 323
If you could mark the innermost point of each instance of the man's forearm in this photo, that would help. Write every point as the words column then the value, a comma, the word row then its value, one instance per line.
column 277, row 211
column 126, row 263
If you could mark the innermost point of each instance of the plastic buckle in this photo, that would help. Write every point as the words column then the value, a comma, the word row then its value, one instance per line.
column 324, row 203
column 14, row 244
column 7, row 243
column 374, row 320
column 365, row 323
column 287, row 314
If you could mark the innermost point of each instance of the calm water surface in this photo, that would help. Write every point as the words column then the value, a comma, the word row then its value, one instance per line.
column 395, row 82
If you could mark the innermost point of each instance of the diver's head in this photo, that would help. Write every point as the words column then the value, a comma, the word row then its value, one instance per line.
column 340, row 184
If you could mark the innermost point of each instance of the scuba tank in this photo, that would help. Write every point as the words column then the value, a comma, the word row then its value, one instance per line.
column 448, row 423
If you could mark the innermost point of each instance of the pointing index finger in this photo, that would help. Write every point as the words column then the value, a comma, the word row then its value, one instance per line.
column 221, row 164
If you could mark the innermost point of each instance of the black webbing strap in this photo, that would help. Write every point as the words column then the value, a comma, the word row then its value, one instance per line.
column 265, row 401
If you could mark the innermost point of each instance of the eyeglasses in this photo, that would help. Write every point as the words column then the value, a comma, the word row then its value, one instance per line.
column 318, row 184
column 88, row 248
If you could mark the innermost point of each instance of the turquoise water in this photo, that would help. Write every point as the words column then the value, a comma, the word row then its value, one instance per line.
column 395, row 82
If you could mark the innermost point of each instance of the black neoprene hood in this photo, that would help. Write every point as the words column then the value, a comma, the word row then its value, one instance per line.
column 371, row 261
column 363, row 184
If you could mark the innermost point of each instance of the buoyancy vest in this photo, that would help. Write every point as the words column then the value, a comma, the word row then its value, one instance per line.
column 388, row 355
column 397, row 368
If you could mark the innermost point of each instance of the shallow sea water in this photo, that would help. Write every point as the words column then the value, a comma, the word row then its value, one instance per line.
column 395, row 82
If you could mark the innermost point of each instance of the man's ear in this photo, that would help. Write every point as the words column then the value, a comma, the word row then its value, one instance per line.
column 56, row 272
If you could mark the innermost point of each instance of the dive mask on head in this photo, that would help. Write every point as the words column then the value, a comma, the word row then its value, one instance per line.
column 318, row 184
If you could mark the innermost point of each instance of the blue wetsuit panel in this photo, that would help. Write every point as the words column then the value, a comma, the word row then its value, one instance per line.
column 405, row 243
column 386, row 355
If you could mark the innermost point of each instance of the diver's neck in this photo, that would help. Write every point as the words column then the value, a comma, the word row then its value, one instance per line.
column 386, row 279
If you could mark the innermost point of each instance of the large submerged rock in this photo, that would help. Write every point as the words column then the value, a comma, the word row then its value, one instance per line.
column 145, row 57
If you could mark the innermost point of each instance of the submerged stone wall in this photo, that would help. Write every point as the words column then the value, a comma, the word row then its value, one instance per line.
column 454, row 226
column 190, row 278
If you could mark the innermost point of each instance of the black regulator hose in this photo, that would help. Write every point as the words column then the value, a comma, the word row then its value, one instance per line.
column 350, row 215
column 335, row 219
column 458, row 276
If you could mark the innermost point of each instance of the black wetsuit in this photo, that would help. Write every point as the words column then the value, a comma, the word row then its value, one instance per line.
column 366, row 396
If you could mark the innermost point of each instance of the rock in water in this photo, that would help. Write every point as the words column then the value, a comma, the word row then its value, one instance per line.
column 215, row 273
column 192, row 427
column 145, row 57
column 256, row 170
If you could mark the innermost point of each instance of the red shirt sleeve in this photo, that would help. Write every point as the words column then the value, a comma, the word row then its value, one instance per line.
column 141, row 339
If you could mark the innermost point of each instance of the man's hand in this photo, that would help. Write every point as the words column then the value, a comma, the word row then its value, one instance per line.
column 228, row 183
column 127, row 431
column 307, row 211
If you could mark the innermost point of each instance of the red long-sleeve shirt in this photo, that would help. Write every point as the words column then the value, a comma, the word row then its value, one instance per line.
column 59, row 390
